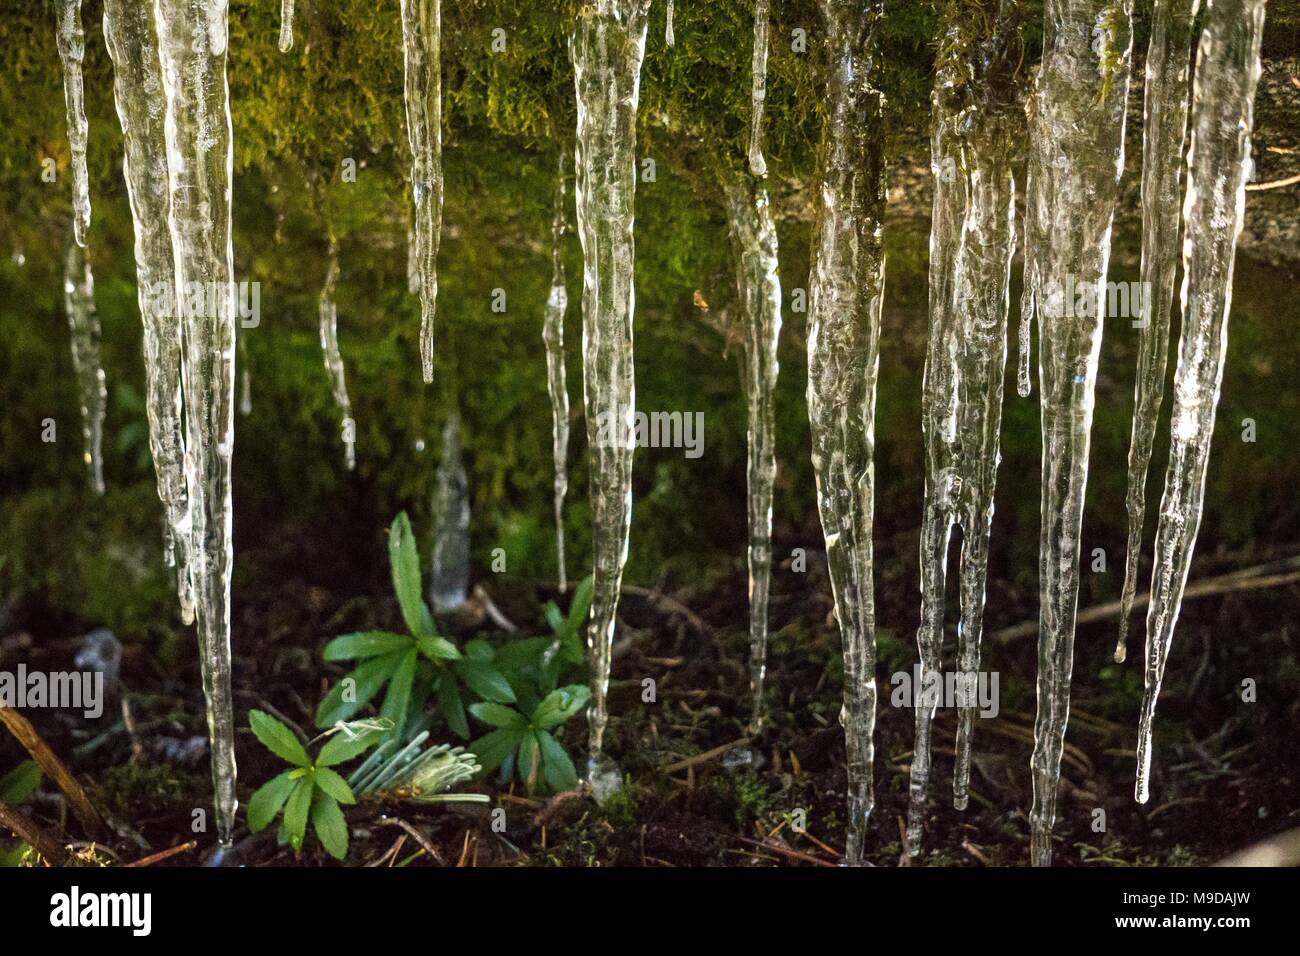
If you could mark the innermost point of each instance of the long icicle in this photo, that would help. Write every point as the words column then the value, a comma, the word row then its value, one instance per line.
column 976, row 122
column 557, row 303
column 758, row 286
column 72, row 51
column 669, row 37
column 329, row 343
column 421, row 44
column 1076, row 142
column 1227, row 73
column 758, row 88
column 1164, row 129
column 83, row 324
column 192, row 41
column 846, row 287
column 608, row 46
column 137, row 82
column 286, row 25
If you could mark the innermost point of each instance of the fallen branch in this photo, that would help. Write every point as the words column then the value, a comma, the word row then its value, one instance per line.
column 22, row 729
column 1248, row 579
column 163, row 854
column 704, row 757
column 1275, row 184
column 51, row 851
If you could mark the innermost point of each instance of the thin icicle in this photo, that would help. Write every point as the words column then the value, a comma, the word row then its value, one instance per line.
column 758, row 286
column 1163, row 135
column 137, row 87
column 669, row 38
column 412, row 263
column 974, row 130
column 72, row 50
column 1076, row 143
column 846, row 287
column 329, row 343
column 557, row 387
column 421, row 45
column 192, row 39
column 1219, row 163
column 245, row 392
column 758, row 89
column 607, row 46
column 286, row 25
column 83, row 323
column 449, row 563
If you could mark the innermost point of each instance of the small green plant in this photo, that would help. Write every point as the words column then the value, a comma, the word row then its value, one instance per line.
column 534, row 665
column 526, row 744
column 15, row 788
column 416, row 772
column 310, row 788
column 413, row 666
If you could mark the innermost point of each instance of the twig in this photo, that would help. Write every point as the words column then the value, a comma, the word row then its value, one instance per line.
column 787, row 851
column 21, row 728
column 164, row 854
column 704, row 757
column 51, row 851
column 494, row 612
column 415, row 835
column 654, row 598
column 1275, row 184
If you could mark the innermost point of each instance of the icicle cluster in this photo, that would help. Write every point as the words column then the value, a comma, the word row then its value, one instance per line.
column 557, row 303
column 421, row 44
column 758, row 286
column 449, row 563
column 1076, row 143
column 1163, row 133
column 608, row 45
column 846, row 287
column 758, row 88
column 329, row 343
column 975, row 128
column 192, row 37
column 83, row 323
column 72, row 51
column 1219, row 163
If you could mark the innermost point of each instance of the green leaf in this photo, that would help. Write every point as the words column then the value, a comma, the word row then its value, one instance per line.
column 554, row 618
column 581, row 605
column 368, row 678
column 295, row 812
column 267, row 801
column 331, row 829
column 278, row 738
column 20, row 783
column 330, row 782
column 364, row 644
column 451, row 706
column 559, row 705
column 437, row 648
column 499, row 715
column 343, row 746
column 485, row 680
column 404, row 558
column 399, row 691
column 479, row 650
column 556, row 766
column 491, row 749
column 530, row 759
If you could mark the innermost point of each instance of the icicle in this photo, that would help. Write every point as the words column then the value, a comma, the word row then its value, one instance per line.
column 137, row 86
column 973, row 134
column 846, row 287
column 758, row 89
column 1076, row 143
column 449, row 565
column 668, row 26
column 758, row 286
column 1163, row 135
column 412, row 263
column 556, row 385
column 79, row 302
column 245, row 380
column 72, row 50
column 608, row 45
column 329, row 343
column 1227, row 72
column 192, row 37
column 286, row 25
column 421, row 43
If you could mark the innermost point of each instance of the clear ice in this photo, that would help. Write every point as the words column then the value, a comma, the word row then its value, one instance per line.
column 83, row 323
column 1076, row 154
column 72, row 51
column 329, row 343
column 1219, row 164
column 977, row 120
column 607, row 46
column 669, row 38
column 557, row 303
column 1163, row 135
column 421, row 45
column 758, row 88
column 137, row 86
column 192, row 37
column 758, row 286
column 286, row 25
column 449, row 563
column 846, row 287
